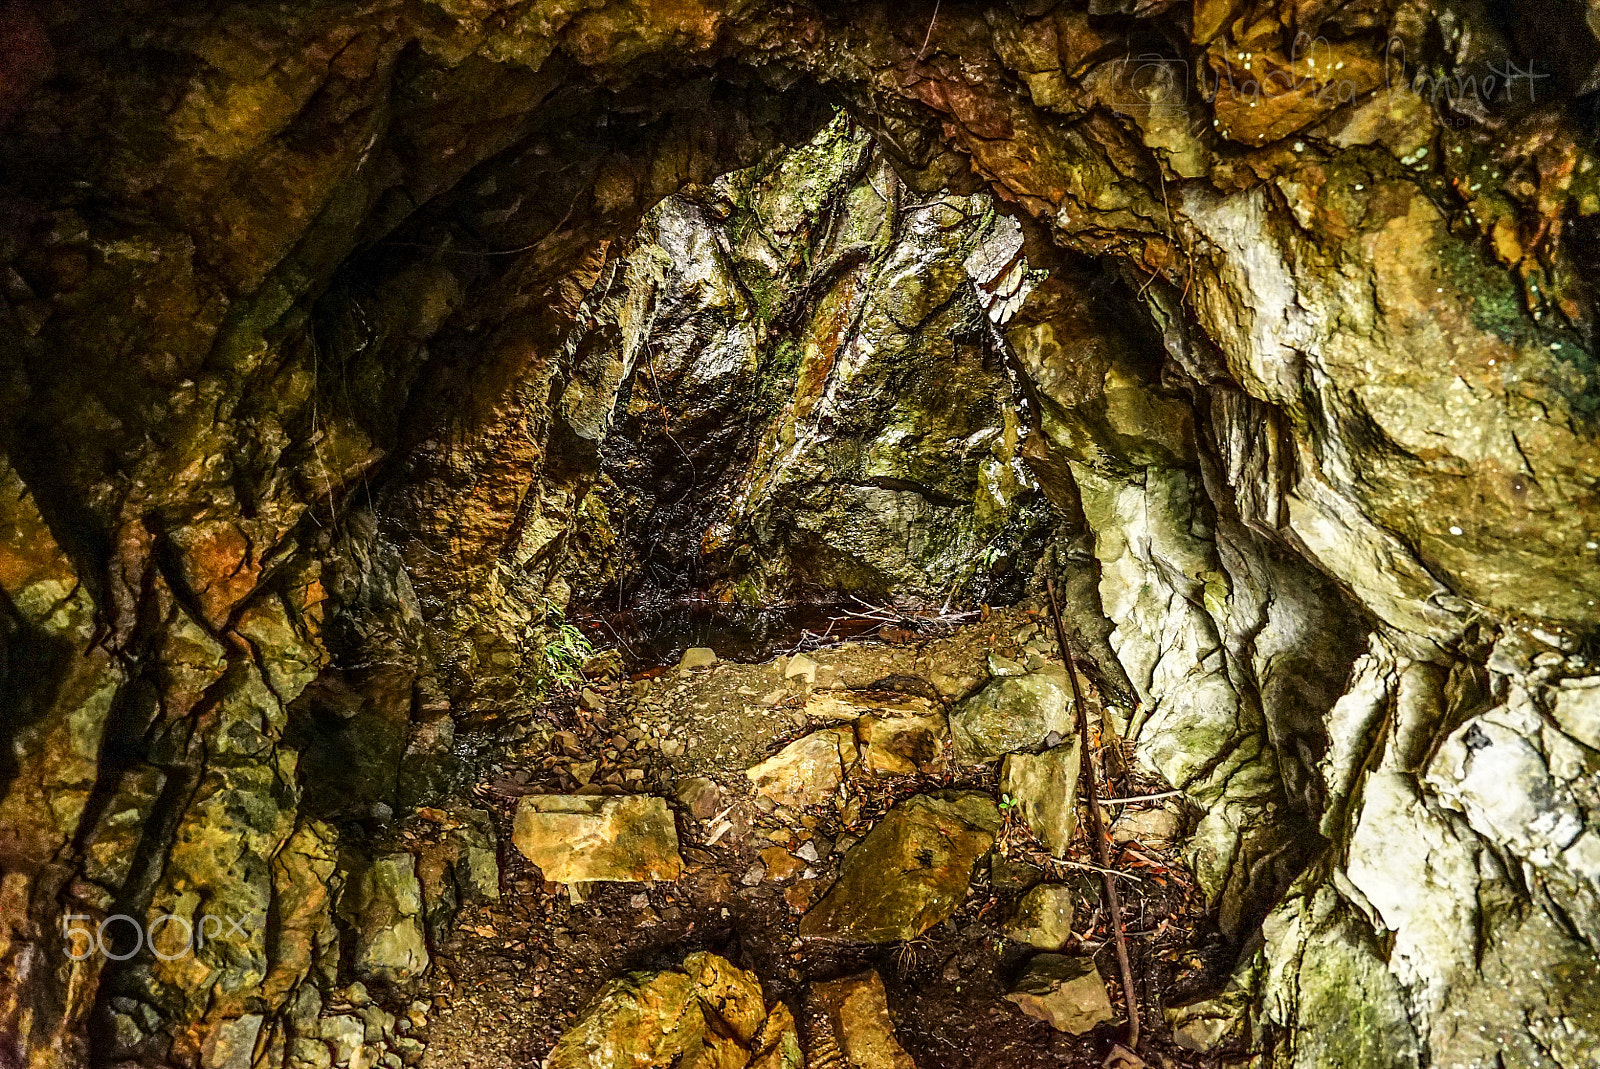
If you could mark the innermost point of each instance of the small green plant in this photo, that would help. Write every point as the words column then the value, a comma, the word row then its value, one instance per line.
column 565, row 654
column 1007, row 802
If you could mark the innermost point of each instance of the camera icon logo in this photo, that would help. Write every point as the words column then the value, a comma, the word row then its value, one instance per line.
column 1145, row 83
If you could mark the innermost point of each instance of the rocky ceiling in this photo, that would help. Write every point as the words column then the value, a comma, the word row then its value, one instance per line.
column 291, row 425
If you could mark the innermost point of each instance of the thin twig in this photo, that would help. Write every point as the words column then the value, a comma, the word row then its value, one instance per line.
column 929, row 35
column 1141, row 798
column 1096, row 824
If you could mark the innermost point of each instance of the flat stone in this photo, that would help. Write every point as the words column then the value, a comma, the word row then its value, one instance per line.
column 835, row 705
column 1003, row 666
column 858, row 1009
column 910, row 872
column 1045, row 788
column 1064, row 991
column 705, row 1015
column 808, row 770
column 1044, row 918
column 1012, row 713
column 591, row 699
column 581, row 838
column 697, row 657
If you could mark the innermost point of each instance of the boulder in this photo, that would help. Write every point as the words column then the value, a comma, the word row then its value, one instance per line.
column 705, row 1015
column 1044, row 918
column 1045, row 788
column 385, row 908
column 910, row 872
column 1013, row 713
column 581, row 838
column 808, row 770
column 1064, row 991
column 858, row 1011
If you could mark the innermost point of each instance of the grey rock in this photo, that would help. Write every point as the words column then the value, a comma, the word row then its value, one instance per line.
column 1012, row 713
column 1045, row 789
column 1044, row 918
column 1064, row 991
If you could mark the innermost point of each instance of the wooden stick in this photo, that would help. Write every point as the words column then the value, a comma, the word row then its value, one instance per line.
column 1096, row 825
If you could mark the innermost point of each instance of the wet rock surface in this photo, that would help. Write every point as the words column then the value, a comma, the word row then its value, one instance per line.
column 315, row 326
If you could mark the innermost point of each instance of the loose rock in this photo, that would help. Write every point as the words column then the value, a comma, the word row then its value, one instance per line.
column 1044, row 918
column 1064, row 991
column 910, row 872
column 580, row 838
column 1012, row 713
column 858, row 1010
column 704, row 1016
column 1155, row 826
column 697, row 657
column 901, row 745
column 700, row 794
column 386, row 908
column 1045, row 787
column 808, row 770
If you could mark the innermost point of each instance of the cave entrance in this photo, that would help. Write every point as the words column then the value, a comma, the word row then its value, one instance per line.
column 797, row 505
column 813, row 423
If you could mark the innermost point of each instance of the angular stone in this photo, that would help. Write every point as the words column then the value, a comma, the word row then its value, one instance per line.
column 1045, row 787
column 704, row 1016
column 808, row 770
column 801, row 667
column 1044, row 918
column 777, row 1045
column 697, row 657
column 700, row 794
column 581, row 838
column 1013, row 713
column 910, row 872
column 1064, row 991
column 858, row 1010
column 780, row 864
column 386, row 909
column 902, row 744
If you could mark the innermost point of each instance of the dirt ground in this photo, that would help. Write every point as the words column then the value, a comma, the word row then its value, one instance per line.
column 512, row 975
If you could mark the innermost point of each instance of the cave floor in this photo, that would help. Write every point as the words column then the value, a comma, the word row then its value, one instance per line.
column 511, row 975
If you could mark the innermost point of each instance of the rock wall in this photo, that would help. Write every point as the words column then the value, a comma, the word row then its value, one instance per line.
column 291, row 440
column 815, row 398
